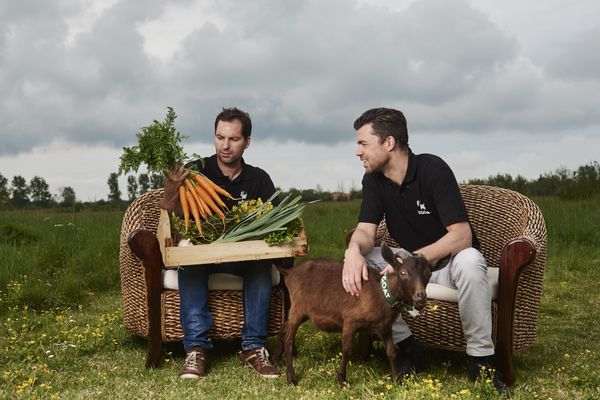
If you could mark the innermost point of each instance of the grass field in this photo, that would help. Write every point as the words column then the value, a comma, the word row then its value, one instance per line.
column 61, row 334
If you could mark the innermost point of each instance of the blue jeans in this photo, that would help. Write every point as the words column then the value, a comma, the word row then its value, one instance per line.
column 195, row 316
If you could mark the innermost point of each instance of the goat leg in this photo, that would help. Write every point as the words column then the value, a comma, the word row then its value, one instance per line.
column 390, row 352
column 290, row 338
column 348, row 332
column 279, row 346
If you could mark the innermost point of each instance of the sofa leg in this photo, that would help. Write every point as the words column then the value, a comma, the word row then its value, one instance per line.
column 504, row 364
column 145, row 246
column 514, row 257
column 153, row 353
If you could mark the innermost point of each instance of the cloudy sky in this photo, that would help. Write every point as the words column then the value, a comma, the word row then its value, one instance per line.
column 492, row 87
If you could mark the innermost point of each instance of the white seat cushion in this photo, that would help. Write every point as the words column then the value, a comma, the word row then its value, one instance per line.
column 440, row 292
column 216, row 281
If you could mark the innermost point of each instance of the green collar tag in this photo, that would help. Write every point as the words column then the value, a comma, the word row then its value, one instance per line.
column 399, row 304
column 387, row 294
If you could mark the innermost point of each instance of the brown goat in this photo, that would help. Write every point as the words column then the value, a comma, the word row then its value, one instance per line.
column 316, row 294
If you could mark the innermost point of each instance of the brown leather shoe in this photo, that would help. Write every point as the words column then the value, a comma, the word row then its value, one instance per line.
column 258, row 358
column 195, row 364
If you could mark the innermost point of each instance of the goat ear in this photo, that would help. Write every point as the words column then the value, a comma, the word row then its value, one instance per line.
column 394, row 259
column 441, row 263
column 388, row 254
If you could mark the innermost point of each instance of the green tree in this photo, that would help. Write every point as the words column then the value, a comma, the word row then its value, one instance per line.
column 588, row 178
column 68, row 198
column 157, row 181
column 39, row 192
column 19, row 192
column 114, row 193
column 4, row 193
column 144, row 182
column 132, row 187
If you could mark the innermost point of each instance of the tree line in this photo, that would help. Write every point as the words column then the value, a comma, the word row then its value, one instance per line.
column 584, row 182
column 36, row 193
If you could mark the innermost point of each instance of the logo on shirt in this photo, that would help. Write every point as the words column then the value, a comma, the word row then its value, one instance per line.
column 421, row 208
column 243, row 194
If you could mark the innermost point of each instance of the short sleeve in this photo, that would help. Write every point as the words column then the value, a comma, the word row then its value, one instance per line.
column 371, row 207
column 446, row 196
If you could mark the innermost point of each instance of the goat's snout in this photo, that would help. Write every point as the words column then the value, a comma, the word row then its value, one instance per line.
column 420, row 300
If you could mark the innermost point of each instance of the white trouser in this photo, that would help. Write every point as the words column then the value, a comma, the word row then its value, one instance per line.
column 466, row 272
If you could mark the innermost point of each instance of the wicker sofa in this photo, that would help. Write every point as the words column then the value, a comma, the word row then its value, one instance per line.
column 151, row 304
column 511, row 230
column 512, row 233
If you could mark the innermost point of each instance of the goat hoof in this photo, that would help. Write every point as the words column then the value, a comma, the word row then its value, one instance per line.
column 342, row 380
column 292, row 380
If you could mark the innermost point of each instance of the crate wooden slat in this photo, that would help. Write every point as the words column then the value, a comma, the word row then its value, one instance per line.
column 212, row 253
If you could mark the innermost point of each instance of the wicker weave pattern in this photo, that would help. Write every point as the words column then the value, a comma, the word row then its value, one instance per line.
column 226, row 306
column 143, row 212
column 498, row 216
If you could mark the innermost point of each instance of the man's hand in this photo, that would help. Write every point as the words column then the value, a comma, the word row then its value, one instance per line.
column 387, row 270
column 174, row 179
column 354, row 271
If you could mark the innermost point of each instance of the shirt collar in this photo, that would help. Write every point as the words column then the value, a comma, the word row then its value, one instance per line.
column 411, row 171
column 213, row 168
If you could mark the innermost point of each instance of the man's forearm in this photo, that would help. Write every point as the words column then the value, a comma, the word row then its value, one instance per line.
column 458, row 238
column 361, row 242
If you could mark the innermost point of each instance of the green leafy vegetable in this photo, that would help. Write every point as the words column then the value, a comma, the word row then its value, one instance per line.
column 258, row 225
column 251, row 220
column 159, row 147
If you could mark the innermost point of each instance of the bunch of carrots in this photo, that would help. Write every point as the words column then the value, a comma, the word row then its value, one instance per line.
column 200, row 198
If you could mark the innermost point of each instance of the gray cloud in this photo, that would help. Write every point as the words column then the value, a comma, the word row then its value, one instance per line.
column 304, row 70
column 579, row 58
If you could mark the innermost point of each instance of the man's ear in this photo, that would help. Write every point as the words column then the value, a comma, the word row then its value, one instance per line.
column 247, row 144
column 390, row 143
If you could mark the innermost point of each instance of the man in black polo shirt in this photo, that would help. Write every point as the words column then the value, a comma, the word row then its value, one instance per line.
column 227, row 169
column 419, row 197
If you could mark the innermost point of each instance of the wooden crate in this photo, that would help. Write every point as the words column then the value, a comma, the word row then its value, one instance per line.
column 215, row 253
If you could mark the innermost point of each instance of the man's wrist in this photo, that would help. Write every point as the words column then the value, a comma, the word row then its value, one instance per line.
column 352, row 251
column 169, row 202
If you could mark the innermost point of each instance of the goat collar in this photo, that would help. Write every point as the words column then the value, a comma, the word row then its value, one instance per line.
column 385, row 287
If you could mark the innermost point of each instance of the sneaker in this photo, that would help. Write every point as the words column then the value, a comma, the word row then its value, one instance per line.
column 258, row 358
column 481, row 368
column 411, row 358
column 195, row 364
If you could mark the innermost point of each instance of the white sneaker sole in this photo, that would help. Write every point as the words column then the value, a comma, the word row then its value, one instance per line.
column 189, row 376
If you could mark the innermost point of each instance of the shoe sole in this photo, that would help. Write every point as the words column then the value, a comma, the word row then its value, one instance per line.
column 270, row 376
column 189, row 376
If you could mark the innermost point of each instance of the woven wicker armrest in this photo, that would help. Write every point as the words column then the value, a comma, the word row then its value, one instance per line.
column 145, row 246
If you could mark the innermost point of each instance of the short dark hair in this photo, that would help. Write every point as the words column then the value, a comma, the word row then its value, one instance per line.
column 385, row 122
column 231, row 114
